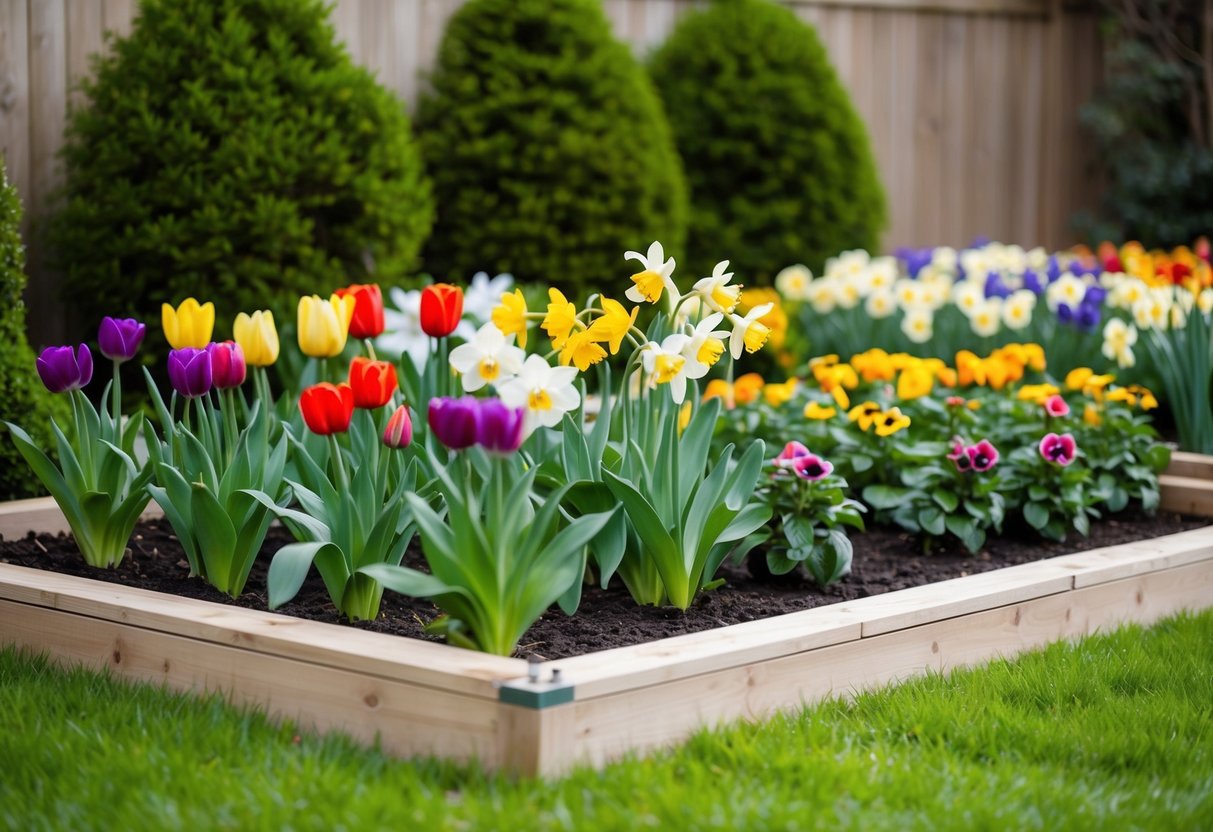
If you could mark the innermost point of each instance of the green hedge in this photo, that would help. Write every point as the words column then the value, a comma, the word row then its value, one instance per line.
column 779, row 164
column 548, row 147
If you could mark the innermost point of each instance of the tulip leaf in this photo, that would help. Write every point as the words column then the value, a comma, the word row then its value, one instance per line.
column 316, row 528
column 216, row 537
column 290, row 566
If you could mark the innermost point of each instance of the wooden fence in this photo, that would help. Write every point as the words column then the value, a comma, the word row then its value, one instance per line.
column 972, row 105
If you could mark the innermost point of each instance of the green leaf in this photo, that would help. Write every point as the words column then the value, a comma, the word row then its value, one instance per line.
column 290, row 566
column 885, row 496
column 216, row 538
column 1036, row 515
column 931, row 520
column 946, row 500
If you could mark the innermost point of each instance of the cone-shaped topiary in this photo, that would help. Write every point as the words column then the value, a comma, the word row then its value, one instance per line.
column 232, row 151
column 548, row 147
column 23, row 399
column 778, row 162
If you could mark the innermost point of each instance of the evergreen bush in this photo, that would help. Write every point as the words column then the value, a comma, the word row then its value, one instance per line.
column 23, row 399
column 778, row 162
column 548, row 147
column 232, row 151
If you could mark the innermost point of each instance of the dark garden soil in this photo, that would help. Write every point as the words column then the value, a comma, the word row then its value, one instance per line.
column 885, row 560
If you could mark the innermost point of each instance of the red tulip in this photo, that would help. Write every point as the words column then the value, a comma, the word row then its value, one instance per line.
column 373, row 382
column 327, row 408
column 399, row 431
column 441, row 309
column 368, row 309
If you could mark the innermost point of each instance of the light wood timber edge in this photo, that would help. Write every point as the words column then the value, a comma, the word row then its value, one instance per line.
column 419, row 698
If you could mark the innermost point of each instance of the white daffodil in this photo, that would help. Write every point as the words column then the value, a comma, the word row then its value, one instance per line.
column 489, row 358
column 986, row 317
column 945, row 259
column 716, row 291
column 821, row 295
column 1017, row 309
column 968, row 295
column 1126, row 293
column 881, row 274
column 654, row 276
column 546, row 392
column 793, row 282
column 1153, row 310
column 749, row 334
column 1037, row 259
column 1118, row 340
column 479, row 299
column 706, row 345
column 880, row 304
column 1205, row 301
column 848, row 263
column 846, row 293
column 1066, row 289
column 918, row 325
column 908, row 292
column 666, row 364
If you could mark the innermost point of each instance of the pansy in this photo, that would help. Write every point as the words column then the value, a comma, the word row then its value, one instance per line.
column 1059, row 450
column 812, row 467
column 864, row 414
column 1056, row 406
column 959, row 456
column 890, row 422
column 489, row 358
column 818, row 411
column 654, row 277
column 983, row 456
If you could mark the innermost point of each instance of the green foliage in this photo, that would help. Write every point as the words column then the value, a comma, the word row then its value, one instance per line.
column 23, row 399
column 231, row 150
column 1152, row 121
column 548, row 147
column 778, row 162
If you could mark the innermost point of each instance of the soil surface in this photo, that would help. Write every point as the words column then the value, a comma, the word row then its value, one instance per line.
column 885, row 560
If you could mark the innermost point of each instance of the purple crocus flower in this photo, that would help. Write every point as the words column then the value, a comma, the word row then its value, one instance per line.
column 498, row 427
column 454, row 421
column 62, row 369
column 228, row 368
column 1031, row 282
column 812, row 467
column 1059, row 450
column 983, row 456
column 1064, row 313
column 1053, row 270
column 189, row 371
column 995, row 287
column 119, row 338
column 1087, row 317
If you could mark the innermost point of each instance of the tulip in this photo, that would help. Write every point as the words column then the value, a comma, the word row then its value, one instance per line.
column 454, row 421
column 373, row 382
column 258, row 337
column 227, row 364
column 327, row 408
column 1059, row 450
column 119, row 338
column 983, row 456
column 189, row 325
column 324, row 325
column 189, row 371
column 812, row 467
column 367, row 321
column 61, row 369
column 499, row 428
column 441, row 309
column 399, row 431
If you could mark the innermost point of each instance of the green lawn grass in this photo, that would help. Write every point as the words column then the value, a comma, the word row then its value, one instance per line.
column 1115, row 732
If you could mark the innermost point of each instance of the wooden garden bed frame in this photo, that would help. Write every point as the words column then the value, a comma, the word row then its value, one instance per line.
column 421, row 698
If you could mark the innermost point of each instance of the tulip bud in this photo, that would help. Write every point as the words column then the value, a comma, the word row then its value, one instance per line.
column 399, row 431
column 119, row 338
column 61, row 369
column 227, row 364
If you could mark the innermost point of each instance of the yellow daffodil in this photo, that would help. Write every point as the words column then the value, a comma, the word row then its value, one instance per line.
column 258, row 337
column 749, row 333
column 189, row 325
column 716, row 289
column 774, row 319
column 890, row 421
column 747, row 387
column 815, row 410
column 324, row 325
column 581, row 351
column 613, row 325
column 914, row 383
column 864, row 414
column 558, row 323
column 779, row 394
column 654, row 276
column 510, row 315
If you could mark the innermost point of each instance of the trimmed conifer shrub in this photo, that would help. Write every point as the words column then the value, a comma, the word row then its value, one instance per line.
column 548, row 147
column 23, row 399
column 231, row 150
column 778, row 162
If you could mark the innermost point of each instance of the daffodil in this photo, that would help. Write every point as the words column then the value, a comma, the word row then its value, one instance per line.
column 189, row 325
column 706, row 345
column 818, row 411
column 880, row 304
column 1118, row 340
column 613, row 325
column 489, row 358
column 258, row 337
column 558, row 323
column 793, row 282
column 986, row 317
column 654, row 277
column 1017, row 310
column 918, row 325
column 666, row 364
column 324, row 325
column 510, row 315
column 749, row 334
column 716, row 289
column 582, row 351
column 544, row 391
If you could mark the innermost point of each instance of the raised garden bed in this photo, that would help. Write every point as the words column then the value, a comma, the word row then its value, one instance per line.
column 424, row 698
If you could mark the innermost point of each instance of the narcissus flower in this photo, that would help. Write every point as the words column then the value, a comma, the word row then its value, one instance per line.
column 189, row 371
column 489, row 358
column 119, row 338
column 373, row 382
column 189, row 325
column 793, row 282
column 545, row 392
column 510, row 315
column 1059, row 450
column 918, row 325
column 890, row 421
column 749, row 334
column 818, row 411
column 324, row 325
column 654, row 277
column 667, row 364
column 441, row 308
column 1118, row 340
column 399, row 430
column 613, row 325
column 228, row 368
column 327, row 408
column 258, row 337
column 62, row 369
column 582, row 351
column 560, row 319
column 367, row 321
column 716, row 289
column 706, row 345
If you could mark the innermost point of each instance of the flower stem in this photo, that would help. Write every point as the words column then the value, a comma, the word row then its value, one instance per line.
column 338, row 463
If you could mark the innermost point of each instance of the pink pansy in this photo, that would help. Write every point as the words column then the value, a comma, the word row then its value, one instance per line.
column 983, row 456
column 1055, row 405
column 812, row 467
column 960, row 456
column 1059, row 450
column 790, row 453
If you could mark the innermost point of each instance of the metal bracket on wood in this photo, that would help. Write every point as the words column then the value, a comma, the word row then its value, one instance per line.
column 534, row 692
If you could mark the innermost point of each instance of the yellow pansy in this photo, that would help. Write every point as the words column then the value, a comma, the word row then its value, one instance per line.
column 324, row 325
column 1036, row 393
column 779, row 394
column 914, row 382
column 841, row 398
column 258, row 337
column 510, row 316
column 558, row 323
column 1076, row 379
column 874, row 365
column 718, row 388
column 864, row 414
column 614, row 324
column 814, row 410
column 189, row 325
column 969, row 369
column 747, row 387
column 1090, row 415
column 581, row 350
column 890, row 421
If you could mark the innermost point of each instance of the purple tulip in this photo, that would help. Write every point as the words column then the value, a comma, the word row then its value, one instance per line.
column 983, row 456
column 454, row 421
column 1059, row 450
column 812, row 467
column 498, row 427
column 227, row 364
column 189, row 371
column 61, row 369
column 119, row 338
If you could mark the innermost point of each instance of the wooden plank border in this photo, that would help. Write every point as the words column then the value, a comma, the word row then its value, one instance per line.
column 419, row 698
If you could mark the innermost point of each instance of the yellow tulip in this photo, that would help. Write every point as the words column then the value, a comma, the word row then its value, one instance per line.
column 324, row 325
column 258, row 337
column 189, row 325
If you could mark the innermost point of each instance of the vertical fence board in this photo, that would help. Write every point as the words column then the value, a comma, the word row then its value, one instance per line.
column 118, row 15
column 14, row 93
column 86, row 27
